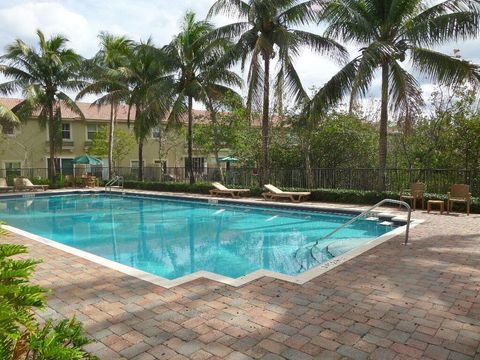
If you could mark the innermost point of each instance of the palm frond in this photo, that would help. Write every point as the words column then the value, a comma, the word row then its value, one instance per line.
column 233, row 8
column 333, row 91
column 443, row 28
column 70, row 104
column 443, row 68
column 405, row 94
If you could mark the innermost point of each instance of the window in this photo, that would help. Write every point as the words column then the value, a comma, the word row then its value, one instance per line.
column 198, row 164
column 156, row 133
column 66, row 132
column 135, row 163
column 13, row 168
column 92, row 130
column 63, row 166
column 8, row 129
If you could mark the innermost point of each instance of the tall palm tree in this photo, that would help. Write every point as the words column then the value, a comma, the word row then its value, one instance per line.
column 113, row 54
column 42, row 74
column 391, row 32
column 266, row 33
column 192, row 56
column 141, row 82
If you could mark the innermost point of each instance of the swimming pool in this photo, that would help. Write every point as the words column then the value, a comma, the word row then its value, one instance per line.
column 174, row 237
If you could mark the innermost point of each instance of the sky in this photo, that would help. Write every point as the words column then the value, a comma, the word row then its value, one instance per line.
column 82, row 20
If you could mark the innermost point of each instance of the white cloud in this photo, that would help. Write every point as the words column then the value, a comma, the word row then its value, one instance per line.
column 81, row 21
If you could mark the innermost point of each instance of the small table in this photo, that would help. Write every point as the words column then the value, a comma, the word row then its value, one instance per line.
column 440, row 203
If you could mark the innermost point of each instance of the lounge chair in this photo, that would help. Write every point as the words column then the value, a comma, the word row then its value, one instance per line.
column 4, row 187
column 275, row 193
column 413, row 194
column 222, row 190
column 24, row 184
column 459, row 193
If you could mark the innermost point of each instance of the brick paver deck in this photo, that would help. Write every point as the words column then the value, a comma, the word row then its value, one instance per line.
column 392, row 302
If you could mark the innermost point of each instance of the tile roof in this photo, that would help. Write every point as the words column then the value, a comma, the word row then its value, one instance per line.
column 101, row 113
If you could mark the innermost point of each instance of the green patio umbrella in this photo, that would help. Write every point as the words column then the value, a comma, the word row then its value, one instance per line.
column 228, row 159
column 87, row 160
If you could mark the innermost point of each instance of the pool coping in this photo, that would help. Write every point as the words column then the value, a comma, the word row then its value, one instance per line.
column 235, row 282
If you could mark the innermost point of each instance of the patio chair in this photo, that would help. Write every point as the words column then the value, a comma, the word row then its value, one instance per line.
column 459, row 193
column 416, row 192
column 4, row 187
column 220, row 189
column 24, row 184
column 275, row 193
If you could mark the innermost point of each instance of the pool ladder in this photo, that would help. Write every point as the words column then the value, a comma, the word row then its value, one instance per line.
column 111, row 183
column 363, row 214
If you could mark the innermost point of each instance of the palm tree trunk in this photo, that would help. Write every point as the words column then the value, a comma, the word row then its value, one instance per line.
column 140, row 149
column 216, row 141
column 110, row 141
column 265, row 122
column 140, row 160
column 308, row 163
column 382, row 143
column 52, row 138
column 190, row 141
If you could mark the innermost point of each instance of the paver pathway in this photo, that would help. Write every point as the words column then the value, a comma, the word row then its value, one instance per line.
column 392, row 302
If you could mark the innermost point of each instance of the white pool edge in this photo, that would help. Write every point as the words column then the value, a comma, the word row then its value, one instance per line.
column 235, row 282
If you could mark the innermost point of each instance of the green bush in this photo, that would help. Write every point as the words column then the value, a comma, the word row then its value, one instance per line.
column 360, row 197
column 21, row 335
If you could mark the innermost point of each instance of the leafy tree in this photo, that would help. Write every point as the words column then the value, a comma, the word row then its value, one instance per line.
column 389, row 33
column 123, row 144
column 21, row 336
column 222, row 130
column 192, row 55
column 114, row 54
column 42, row 74
column 265, row 34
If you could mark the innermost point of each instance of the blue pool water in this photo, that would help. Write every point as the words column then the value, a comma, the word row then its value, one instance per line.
column 172, row 238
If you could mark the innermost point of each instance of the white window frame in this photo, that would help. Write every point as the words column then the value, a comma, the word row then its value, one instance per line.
column 98, row 129
column 136, row 161
column 70, row 132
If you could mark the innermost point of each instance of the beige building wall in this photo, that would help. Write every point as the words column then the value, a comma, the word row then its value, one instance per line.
column 28, row 145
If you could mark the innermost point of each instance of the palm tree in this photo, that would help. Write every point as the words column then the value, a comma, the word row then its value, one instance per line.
column 148, row 91
column 42, row 74
column 192, row 55
column 143, row 85
column 265, row 34
column 391, row 32
column 113, row 54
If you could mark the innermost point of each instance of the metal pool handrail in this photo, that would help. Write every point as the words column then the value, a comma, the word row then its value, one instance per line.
column 361, row 215
column 116, row 179
column 366, row 212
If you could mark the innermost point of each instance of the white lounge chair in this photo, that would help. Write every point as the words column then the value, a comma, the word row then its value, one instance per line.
column 4, row 187
column 275, row 193
column 24, row 184
column 222, row 190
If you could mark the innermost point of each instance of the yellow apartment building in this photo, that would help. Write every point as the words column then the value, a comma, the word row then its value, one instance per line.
column 26, row 146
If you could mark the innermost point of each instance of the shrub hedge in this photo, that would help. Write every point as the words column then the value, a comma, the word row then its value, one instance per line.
column 360, row 197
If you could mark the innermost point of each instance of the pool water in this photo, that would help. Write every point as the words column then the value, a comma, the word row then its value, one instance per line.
column 172, row 238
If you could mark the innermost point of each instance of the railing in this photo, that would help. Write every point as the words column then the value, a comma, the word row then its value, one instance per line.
column 115, row 180
column 437, row 180
column 351, row 221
